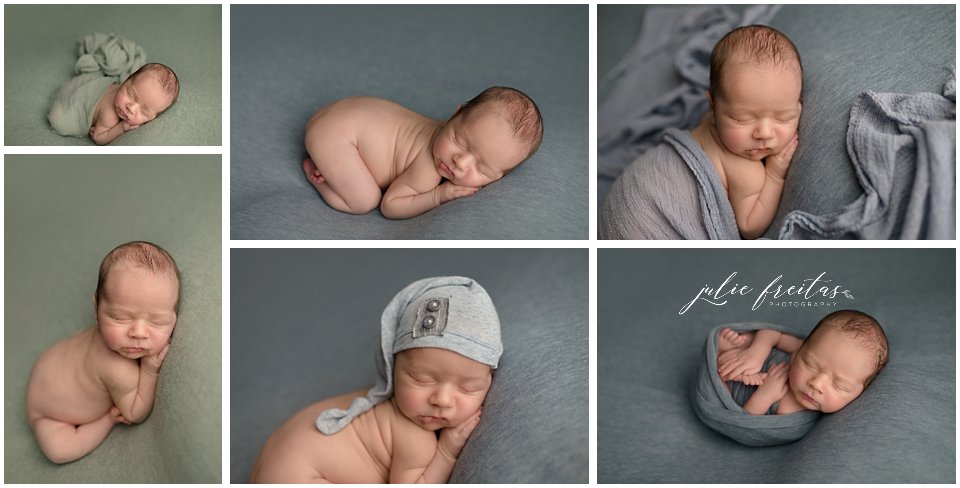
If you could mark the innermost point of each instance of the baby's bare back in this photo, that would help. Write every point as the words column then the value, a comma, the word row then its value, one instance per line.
column 387, row 137
column 64, row 384
column 360, row 453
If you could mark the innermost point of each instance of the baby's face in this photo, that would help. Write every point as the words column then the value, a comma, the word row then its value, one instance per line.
column 477, row 149
column 757, row 109
column 829, row 371
column 139, row 100
column 437, row 388
column 136, row 313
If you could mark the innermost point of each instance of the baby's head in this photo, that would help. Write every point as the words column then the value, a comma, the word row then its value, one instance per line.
column 146, row 94
column 487, row 137
column 756, row 80
column 838, row 360
column 137, row 299
column 438, row 388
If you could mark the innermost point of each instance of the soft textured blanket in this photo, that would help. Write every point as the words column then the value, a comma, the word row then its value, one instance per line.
column 722, row 412
column 903, row 148
column 102, row 60
column 662, row 82
column 670, row 192
column 76, row 102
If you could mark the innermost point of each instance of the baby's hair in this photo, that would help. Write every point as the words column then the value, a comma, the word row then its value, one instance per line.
column 165, row 76
column 519, row 109
column 752, row 43
column 140, row 254
column 863, row 329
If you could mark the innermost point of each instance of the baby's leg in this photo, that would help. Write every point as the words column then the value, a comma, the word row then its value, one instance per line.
column 341, row 176
column 62, row 442
column 285, row 472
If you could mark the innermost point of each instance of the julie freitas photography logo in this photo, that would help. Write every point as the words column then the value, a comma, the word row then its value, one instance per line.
column 809, row 292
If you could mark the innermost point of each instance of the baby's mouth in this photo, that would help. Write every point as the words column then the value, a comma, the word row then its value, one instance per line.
column 809, row 399
column 445, row 170
column 430, row 419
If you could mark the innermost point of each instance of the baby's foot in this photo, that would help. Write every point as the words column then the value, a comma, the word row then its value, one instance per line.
column 312, row 173
column 117, row 417
column 727, row 339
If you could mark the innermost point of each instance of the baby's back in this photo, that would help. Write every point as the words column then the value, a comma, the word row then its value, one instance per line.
column 388, row 136
column 360, row 453
column 64, row 384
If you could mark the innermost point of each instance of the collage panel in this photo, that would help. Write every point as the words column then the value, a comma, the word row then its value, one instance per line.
column 312, row 325
column 776, row 365
column 144, row 75
column 338, row 110
column 112, row 270
column 776, row 122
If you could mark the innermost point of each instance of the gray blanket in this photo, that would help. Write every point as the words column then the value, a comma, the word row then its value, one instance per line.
column 662, row 82
column 670, row 192
column 721, row 412
column 903, row 148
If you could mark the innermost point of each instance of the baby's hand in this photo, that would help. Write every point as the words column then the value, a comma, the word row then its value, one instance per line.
column 775, row 386
column 117, row 417
column 151, row 364
column 779, row 163
column 448, row 191
column 735, row 363
column 453, row 439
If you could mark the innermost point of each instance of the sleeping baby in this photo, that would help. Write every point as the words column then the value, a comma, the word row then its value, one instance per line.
column 825, row 372
column 83, row 386
column 94, row 105
column 367, row 152
column 750, row 130
column 439, row 345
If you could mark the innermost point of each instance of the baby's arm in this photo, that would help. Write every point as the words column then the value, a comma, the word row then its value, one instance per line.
column 771, row 391
column 416, row 191
column 105, row 135
column 749, row 361
column 440, row 467
column 134, row 396
column 755, row 212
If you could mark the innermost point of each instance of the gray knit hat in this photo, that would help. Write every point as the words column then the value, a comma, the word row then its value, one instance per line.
column 447, row 312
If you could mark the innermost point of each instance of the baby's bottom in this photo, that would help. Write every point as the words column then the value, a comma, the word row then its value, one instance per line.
column 341, row 176
column 63, row 442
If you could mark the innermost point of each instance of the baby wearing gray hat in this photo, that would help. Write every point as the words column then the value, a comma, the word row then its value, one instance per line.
column 439, row 344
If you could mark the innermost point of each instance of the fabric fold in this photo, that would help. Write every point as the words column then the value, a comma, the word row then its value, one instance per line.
column 670, row 192
column 903, row 149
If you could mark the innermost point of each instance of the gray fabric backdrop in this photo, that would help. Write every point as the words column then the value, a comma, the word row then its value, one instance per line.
column 902, row 429
column 305, row 326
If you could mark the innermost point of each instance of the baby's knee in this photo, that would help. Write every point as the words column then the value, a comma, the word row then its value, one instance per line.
column 364, row 204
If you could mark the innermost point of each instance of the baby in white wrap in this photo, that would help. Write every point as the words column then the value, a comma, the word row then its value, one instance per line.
column 439, row 344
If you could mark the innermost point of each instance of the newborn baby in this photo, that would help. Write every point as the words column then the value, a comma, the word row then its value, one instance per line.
column 368, row 152
column 141, row 98
column 440, row 341
column 827, row 371
column 107, row 374
column 750, row 131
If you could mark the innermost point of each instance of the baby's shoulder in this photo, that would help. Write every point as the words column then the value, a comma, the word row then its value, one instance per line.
column 116, row 371
column 400, row 428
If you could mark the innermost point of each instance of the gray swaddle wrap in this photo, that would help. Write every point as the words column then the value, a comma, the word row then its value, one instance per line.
column 722, row 413
column 670, row 192
column 447, row 312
